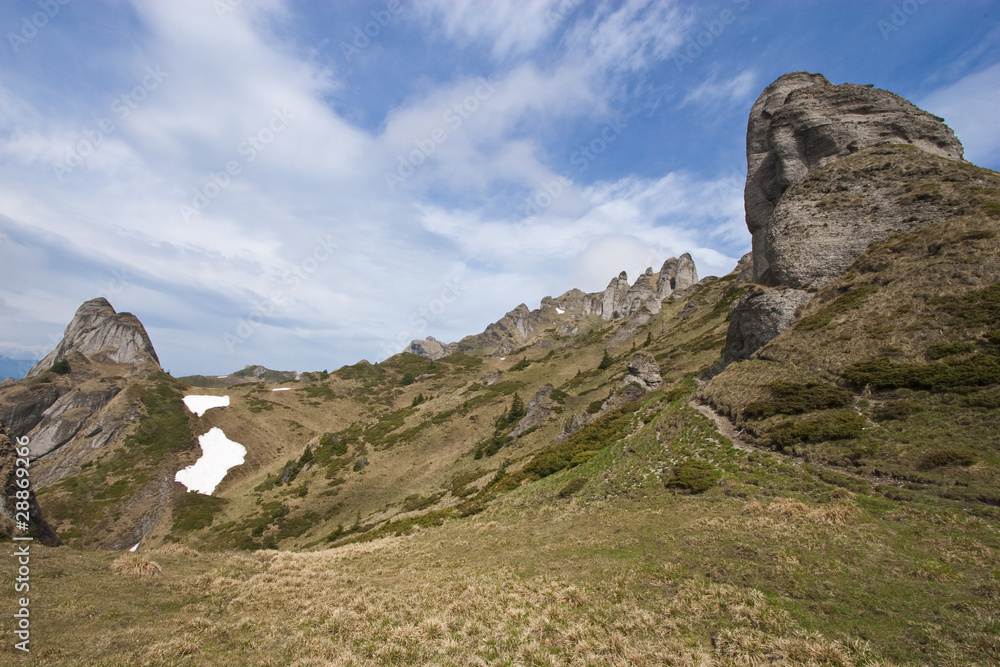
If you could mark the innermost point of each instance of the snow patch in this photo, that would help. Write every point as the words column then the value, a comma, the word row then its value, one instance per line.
column 282, row 389
column 135, row 547
column 218, row 455
column 560, row 311
column 199, row 404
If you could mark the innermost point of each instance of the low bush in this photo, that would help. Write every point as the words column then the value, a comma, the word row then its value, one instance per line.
column 946, row 457
column 789, row 398
column 950, row 374
column 822, row 427
column 695, row 475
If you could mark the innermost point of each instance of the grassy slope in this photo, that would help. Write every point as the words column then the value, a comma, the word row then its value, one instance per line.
column 926, row 306
column 834, row 551
column 770, row 564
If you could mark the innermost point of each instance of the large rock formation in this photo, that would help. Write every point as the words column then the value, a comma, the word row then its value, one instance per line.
column 98, row 332
column 830, row 170
column 802, row 122
column 618, row 300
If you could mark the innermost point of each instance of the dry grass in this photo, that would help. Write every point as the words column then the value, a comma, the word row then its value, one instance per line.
column 135, row 565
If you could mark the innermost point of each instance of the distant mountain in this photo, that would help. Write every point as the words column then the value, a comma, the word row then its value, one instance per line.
column 15, row 368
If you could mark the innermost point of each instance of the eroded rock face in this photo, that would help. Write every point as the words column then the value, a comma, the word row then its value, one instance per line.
column 538, row 410
column 802, row 122
column 8, row 498
column 97, row 329
column 643, row 371
column 676, row 275
column 759, row 317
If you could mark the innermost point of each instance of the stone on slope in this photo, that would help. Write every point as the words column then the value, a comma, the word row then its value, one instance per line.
column 760, row 316
column 643, row 371
column 536, row 412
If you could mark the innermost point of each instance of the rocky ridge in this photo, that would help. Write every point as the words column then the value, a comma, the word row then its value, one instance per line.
column 618, row 300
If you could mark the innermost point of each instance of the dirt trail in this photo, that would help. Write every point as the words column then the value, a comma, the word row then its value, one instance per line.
column 723, row 425
column 727, row 429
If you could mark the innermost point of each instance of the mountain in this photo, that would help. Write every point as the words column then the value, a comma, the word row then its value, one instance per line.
column 14, row 368
column 619, row 300
column 795, row 463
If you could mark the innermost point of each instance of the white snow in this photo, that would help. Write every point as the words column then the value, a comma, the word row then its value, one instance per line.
column 282, row 389
column 219, row 454
column 560, row 311
column 199, row 404
column 135, row 547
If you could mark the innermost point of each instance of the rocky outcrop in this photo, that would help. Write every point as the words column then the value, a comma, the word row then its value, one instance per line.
column 37, row 527
column 643, row 371
column 760, row 316
column 63, row 420
column 538, row 410
column 563, row 314
column 830, row 170
column 643, row 294
column 430, row 348
column 802, row 122
column 98, row 332
column 676, row 275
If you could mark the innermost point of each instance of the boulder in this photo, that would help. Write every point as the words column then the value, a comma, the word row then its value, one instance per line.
column 760, row 316
column 643, row 371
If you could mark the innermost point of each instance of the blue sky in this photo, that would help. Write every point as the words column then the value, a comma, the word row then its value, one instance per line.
column 306, row 184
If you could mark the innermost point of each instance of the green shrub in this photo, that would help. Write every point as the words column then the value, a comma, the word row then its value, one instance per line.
column 789, row 398
column 896, row 410
column 950, row 374
column 945, row 457
column 595, row 406
column 978, row 307
column 61, row 367
column 941, row 350
column 593, row 437
column 695, row 475
column 831, row 425
column 521, row 365
column 193, row 510
column 606, row 361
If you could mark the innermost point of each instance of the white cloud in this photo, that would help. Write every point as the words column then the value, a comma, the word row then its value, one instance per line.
column 969, row 106
column 514, row 28
column 727, row 91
